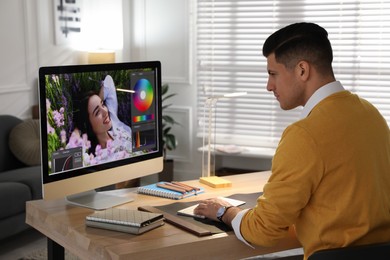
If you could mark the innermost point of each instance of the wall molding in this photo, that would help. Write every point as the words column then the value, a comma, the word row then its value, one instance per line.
column 185, row 81
column 183, row 115
column 9, row 89
column 145, row 46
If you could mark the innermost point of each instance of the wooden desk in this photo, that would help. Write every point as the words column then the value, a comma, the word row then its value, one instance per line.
column 64, row 225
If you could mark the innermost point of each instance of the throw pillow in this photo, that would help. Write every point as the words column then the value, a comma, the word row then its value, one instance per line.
column 24, row 142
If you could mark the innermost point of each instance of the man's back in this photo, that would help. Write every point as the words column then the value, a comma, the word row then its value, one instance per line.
column 347, row 189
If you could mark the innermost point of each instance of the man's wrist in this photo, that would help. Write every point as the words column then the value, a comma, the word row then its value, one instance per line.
column 230, row 215
column 224, row 214
column 221, row 211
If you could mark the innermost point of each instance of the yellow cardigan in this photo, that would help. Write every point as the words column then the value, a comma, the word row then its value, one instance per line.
column 330, row 179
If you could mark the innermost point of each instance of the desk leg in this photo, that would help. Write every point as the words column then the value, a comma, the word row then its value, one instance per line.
column 54, row 250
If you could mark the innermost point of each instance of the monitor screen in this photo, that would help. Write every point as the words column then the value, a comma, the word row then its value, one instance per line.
column 100, row 125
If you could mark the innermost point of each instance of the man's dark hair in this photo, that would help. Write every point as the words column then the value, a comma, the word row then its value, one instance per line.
column 301, row 41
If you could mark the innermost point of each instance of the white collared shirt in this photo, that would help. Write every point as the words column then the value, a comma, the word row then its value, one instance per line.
column 321, row 93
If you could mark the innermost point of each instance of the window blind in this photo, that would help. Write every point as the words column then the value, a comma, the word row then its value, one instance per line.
column 230, row 35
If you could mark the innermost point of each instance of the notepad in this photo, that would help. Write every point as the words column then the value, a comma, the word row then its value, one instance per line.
column 189, row 211
column 154, row 190
column 125, row 220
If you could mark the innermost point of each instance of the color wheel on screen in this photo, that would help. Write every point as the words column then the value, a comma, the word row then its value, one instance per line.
column 143, row 96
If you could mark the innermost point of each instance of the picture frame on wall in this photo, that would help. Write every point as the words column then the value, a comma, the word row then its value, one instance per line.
column 67, row 20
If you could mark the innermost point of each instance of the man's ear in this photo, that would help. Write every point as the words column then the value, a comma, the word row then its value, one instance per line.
column 303, row 70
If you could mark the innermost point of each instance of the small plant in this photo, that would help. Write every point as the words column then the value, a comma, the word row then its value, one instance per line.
column 169, row 140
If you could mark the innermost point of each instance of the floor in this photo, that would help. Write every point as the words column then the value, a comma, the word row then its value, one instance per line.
column 20, row 245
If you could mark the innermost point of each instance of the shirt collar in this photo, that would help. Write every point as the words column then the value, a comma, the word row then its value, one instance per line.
column 320, row 94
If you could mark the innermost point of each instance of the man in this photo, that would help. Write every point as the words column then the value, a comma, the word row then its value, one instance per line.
column 331, row 171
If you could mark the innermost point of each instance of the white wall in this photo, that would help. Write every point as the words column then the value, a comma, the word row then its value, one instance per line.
column 161, row 30
column 18, row 61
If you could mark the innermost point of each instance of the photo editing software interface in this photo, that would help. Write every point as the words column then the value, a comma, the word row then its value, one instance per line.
column 98, row 117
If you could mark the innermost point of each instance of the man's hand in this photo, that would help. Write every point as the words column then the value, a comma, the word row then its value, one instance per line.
column 209, row 207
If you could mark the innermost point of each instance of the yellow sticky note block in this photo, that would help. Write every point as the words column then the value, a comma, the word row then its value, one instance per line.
column 215, row 182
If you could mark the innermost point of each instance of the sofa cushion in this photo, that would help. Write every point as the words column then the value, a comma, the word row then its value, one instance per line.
column 13, row 226
column 13, row 197
column 7, row 159
column 30, row 176
column 24, row 142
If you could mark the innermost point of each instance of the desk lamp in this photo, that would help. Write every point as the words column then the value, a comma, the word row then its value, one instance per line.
column 209, row 142
column 101, row 56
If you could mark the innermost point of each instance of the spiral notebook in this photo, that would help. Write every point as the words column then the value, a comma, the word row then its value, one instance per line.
column 154, row 190
column 125, row 220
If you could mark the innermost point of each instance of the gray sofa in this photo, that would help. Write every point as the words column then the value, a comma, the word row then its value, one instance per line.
column 19, row 181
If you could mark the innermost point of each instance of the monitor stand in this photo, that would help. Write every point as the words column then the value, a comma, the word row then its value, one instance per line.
column 97, row 200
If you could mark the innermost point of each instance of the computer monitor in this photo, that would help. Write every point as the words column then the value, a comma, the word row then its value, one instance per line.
column 100, row 125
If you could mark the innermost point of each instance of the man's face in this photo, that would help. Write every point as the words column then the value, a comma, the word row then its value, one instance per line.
column 285, row 84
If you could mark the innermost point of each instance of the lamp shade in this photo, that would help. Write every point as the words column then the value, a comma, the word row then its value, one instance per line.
column 96, row 57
